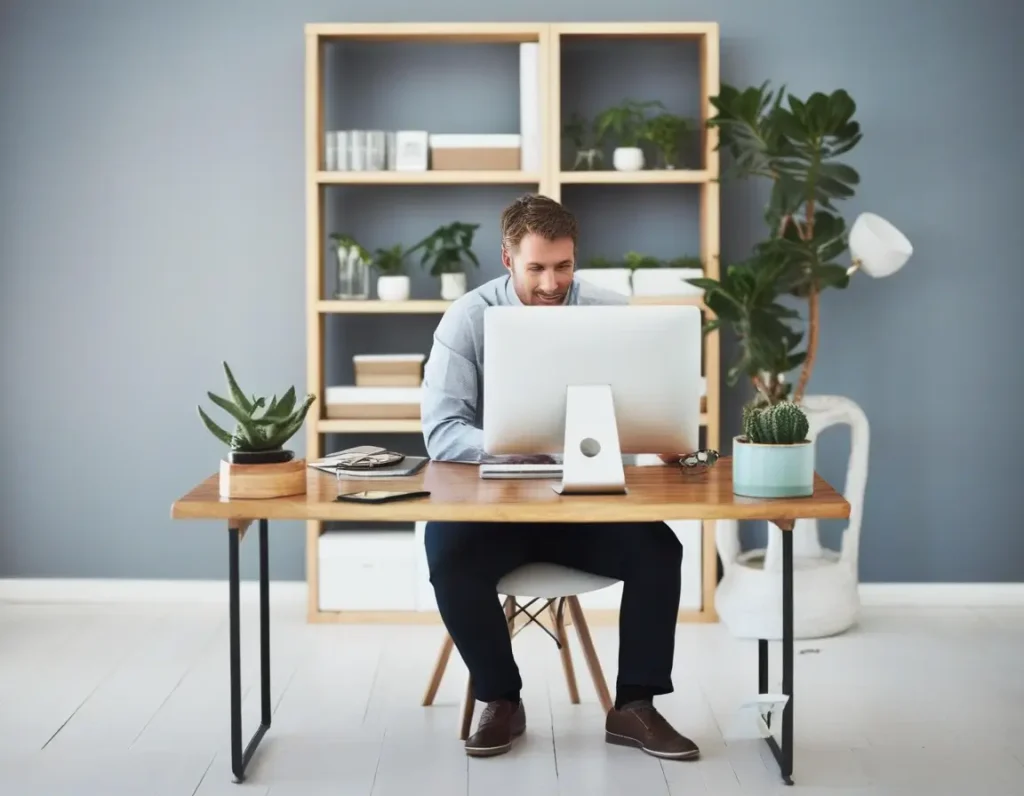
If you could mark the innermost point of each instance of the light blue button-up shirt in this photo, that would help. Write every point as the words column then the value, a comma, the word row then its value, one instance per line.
column 452, row 406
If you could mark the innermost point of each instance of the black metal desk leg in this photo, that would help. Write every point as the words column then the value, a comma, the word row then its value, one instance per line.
column 783, row 753
column 240, row 758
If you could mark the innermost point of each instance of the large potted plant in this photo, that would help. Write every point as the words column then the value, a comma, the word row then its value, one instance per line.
column 393, row 282
column 797, row 146
column 257, row 465
column 625, row 124
column 447, row 251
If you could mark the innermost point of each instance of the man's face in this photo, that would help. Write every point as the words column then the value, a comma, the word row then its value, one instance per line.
column 541, row 269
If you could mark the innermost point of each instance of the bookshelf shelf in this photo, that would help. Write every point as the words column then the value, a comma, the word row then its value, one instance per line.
column 547, row 177
column 440, row 177
column 645, row 177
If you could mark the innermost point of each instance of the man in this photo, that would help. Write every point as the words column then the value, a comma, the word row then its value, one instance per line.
column 466, row 560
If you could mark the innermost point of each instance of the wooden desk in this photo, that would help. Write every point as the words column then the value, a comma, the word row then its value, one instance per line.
column 457, row 493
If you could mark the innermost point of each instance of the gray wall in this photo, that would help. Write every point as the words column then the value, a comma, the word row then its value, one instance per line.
column 152, row 224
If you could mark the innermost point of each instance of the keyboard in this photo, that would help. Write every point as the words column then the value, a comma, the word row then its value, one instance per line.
column 520, row 471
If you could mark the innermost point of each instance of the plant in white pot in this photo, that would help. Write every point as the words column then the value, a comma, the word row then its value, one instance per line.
column 655, row 277
column 393, row 283
column 447, row 251
column 625, row 125
column 668, row 133
column 796, row 144
column 607, row 274
column 257, row 465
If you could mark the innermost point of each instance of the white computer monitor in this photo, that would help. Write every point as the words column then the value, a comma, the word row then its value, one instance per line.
column 591, row 383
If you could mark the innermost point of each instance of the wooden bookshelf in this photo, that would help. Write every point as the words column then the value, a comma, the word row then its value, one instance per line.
column 549, row 180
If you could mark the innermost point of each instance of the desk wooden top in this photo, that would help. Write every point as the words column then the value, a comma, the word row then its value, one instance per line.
column 656, row 492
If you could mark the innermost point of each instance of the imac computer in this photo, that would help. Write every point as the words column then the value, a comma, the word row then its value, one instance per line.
column 591, row 383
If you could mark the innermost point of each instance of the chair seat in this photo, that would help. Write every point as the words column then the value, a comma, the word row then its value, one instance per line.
column 550, row 581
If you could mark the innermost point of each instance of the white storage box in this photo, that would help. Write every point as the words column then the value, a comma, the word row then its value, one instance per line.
column 372, row 403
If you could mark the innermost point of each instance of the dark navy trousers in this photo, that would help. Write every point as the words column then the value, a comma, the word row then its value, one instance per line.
column 467, row 559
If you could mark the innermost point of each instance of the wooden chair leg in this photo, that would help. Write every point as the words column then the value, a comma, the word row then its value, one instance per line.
column 558, row 623
column 589, row 654
column 439, row 667
column 468, row 706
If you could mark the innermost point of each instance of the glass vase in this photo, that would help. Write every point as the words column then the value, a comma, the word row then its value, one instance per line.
column 353, row 274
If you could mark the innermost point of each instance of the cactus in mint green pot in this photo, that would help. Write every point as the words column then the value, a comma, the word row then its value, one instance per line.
column 774, row 458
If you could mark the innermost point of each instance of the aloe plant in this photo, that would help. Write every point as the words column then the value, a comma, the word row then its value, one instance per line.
column 256, row 430
column 775, row 424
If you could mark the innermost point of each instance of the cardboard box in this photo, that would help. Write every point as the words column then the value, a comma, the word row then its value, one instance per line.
column 388, row 370
column 472, row 152
column 372, row 403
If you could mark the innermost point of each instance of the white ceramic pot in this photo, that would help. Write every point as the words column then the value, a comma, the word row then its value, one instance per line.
column 825, row 597
column 628, row 158
column 452, row 286
column 393, row 288
column 616, row 279
column 666, row 281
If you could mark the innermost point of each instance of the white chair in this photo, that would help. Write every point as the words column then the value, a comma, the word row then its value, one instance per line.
column 556, row 588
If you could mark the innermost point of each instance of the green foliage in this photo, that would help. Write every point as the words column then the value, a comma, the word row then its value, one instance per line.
column 667, row 132
column 775, row 424
column 579, row 132
column 626, row 123
column 634, row 260
column 345, row 243
column 796, row 145
column 255, row 431
column 390, row 261
column 447, row 248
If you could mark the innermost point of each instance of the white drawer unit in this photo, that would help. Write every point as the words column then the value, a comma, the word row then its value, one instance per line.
column 367, row 570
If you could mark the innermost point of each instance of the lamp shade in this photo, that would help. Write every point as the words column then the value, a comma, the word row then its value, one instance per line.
column 878, row 248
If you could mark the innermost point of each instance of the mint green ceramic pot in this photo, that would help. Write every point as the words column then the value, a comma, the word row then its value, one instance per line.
column 772, row 471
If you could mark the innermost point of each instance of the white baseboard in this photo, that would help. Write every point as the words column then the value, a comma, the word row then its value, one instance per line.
column 942, row 595
column 112, row 590
column 102, row 590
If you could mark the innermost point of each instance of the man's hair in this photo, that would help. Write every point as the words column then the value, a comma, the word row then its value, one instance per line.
column 540, row 215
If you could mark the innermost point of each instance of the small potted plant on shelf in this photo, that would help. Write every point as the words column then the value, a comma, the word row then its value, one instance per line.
column 668, row 132
column 447, row 250
column 353, row 268
column 625, row 124
column 655, row 277
column 585, row 142
column 257, row 465
column 773, row 458
column 607, row 274
column 393, row 282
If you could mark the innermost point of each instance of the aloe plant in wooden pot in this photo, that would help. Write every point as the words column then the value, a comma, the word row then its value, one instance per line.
column 257, row 465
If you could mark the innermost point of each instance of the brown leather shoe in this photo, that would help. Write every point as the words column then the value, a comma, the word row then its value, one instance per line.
column 640, row 724
column 500, row 724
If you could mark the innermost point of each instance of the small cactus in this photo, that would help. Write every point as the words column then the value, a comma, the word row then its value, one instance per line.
column 778, row 424
column 268, row 431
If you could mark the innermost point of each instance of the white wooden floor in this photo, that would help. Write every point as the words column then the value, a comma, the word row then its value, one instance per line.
column 112, row 700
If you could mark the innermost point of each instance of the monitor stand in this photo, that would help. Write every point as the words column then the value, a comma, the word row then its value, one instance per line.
column 592, row 457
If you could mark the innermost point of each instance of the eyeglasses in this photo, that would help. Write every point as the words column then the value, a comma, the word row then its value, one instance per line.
column 705, row 458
